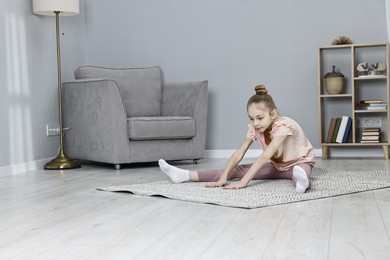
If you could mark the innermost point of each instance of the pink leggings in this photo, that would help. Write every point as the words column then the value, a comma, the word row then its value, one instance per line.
column 268, row 171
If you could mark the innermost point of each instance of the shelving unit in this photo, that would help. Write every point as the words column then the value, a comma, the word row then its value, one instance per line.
column 346, row 58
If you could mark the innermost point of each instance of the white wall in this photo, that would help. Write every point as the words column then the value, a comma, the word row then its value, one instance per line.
column 28, row 85
column 235, row 45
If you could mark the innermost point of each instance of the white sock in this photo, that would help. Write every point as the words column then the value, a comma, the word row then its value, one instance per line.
column 302, row 179
column 176, row 175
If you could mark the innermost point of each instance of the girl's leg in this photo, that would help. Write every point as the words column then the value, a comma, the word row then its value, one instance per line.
column 268, row 171
column 213, row 175
column 301, row 177
column 300, row 174
column 177, row 175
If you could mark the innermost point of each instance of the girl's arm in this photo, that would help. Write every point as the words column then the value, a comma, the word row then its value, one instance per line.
column 232, row 163
column 260, row 161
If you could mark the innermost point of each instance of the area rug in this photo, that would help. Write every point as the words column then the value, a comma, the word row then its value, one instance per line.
column 262, row 193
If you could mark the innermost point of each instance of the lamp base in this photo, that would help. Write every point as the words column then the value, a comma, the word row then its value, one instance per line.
column 62, row 162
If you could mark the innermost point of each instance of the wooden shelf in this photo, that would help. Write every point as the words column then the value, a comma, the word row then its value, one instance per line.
column 361, row 111
column 355, row 144
column 370, row 78
column 336, row 96
column 346, row 58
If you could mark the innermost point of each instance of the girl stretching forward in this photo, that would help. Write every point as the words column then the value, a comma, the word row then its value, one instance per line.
column 287, row 153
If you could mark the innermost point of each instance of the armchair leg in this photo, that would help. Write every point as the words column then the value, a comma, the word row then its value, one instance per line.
column 117, row 166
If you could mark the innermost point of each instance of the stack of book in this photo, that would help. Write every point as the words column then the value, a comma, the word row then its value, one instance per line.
column 339, row 129
column 371, row 105
column 371, row 135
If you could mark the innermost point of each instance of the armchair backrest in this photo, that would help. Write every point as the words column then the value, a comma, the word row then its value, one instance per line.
column 141, row 88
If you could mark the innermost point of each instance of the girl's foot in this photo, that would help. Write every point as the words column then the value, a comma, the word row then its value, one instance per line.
column 302, row 180
column 176, row 175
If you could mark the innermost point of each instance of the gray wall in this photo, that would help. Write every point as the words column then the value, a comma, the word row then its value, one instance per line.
column 235, row 45
column 28, row 73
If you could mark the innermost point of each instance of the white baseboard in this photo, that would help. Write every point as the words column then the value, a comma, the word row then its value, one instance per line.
column 22, row 167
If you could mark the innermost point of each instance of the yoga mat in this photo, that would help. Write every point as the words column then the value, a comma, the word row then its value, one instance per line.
column 262, row 193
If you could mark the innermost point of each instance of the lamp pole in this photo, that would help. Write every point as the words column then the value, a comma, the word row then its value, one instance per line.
column 61, row 161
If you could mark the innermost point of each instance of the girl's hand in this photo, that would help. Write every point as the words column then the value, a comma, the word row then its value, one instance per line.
column 235, row 185
column 219, row 183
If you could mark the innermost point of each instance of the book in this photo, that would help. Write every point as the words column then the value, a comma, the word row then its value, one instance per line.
column 372, row 101
column 371, row 129
column 343, row 125
column 384, row 107
column 369, row 133
column 347, row 131
column 370, row 141
column 332, row 126
column 370, row 137
column 336, row 129
column 371, row 104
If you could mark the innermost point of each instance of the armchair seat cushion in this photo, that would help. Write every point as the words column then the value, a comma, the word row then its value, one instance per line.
column 161, row 128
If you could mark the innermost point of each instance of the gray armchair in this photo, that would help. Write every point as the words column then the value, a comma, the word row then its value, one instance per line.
column 121, row 116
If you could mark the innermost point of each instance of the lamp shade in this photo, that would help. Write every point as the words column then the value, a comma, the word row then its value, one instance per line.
column 48, row 7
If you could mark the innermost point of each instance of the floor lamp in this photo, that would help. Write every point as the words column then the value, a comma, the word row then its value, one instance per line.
column 57, row 8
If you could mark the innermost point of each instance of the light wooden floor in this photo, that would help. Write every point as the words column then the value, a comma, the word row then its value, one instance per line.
column 61, row 215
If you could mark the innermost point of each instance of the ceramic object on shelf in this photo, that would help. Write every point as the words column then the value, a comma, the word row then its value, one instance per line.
column 379, row 69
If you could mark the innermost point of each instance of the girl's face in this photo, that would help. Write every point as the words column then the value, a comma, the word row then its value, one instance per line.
column 260, row 116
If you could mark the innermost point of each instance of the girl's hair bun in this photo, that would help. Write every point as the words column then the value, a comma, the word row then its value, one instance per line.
column 261, row 90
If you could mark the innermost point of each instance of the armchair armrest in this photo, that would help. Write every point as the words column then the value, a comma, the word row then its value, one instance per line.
column 184, row 98
column 94, row 111
column 188, row 99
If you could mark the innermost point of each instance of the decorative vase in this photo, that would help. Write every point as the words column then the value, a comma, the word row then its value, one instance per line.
column 334, row 82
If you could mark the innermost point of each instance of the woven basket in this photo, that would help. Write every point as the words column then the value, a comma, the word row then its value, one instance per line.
column 334, row 85
column 334, row 82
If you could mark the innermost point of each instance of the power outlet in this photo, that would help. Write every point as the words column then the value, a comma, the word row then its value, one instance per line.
column 369, row 122
column 52, row 129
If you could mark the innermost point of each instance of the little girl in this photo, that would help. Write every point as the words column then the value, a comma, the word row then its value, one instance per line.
column 287, row 153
